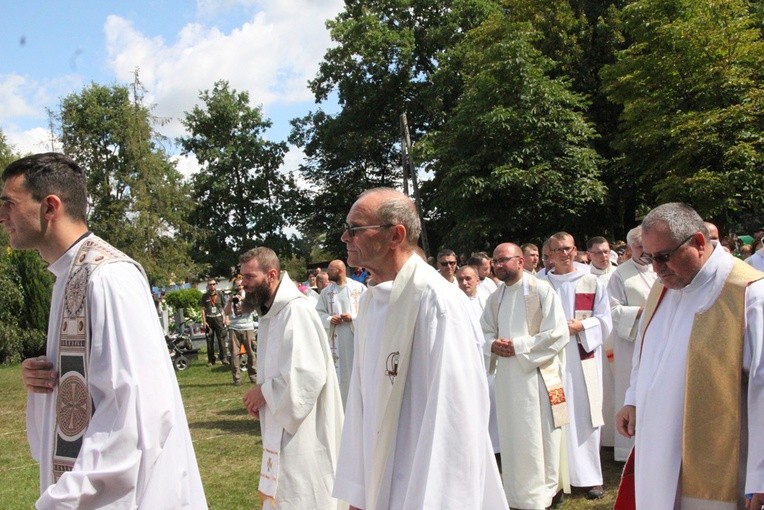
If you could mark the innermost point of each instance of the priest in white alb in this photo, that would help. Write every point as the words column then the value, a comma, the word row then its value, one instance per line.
column 105, row 419
column 585, row 302
column 525, row 332
column 296, row 398
column 338, row 306
column 696, row 399
column 416, row 428
column 628, row 288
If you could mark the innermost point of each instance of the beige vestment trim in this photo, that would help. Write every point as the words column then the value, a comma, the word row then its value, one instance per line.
column 393, row 363
column 74, row 405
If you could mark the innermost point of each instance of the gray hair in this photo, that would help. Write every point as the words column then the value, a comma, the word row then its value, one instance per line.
column 398, row 209
column 634, row 235
column 680, row 219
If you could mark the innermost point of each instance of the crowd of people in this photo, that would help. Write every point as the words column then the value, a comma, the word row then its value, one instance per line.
column 489, row 384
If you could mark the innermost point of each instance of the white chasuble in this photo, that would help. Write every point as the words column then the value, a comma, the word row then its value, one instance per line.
column 136, row 451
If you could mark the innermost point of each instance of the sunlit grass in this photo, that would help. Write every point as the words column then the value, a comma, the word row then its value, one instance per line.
column 227, row 443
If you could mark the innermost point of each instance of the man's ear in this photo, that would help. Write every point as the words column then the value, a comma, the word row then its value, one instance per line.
column 399, row 234
column 52, row 206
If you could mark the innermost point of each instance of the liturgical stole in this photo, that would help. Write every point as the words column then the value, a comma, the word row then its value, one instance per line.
column 712, row 401
column 74, row 406
column 586, row 289
column 550, row 371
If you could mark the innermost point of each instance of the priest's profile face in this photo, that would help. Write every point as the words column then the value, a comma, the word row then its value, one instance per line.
column 256, row 283
column 366, row 238
column 20, row 215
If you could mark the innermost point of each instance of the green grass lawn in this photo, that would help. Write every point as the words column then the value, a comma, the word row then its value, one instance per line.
column 226, row 440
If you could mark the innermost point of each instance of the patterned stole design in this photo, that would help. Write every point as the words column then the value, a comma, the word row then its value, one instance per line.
column 550, row 371
column 586, row 289
column 74, row 405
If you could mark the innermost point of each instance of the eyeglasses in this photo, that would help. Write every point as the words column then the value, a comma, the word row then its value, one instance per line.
column 445, row 263
column 503, row 260
column 563, row 249
column 663, row 258
column 350, row 231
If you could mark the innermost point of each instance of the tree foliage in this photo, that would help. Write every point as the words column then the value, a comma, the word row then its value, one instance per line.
column 514, row 160
column 243, row 199
column 138, row 200
column 25, row 300
column 691, row 84
column 382, row 66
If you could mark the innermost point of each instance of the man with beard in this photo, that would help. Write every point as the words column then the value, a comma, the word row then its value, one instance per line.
column 585, row 302
column 240, row 311
column 525, row 331
column 296, row 398
column 337, row 306
column 696, row 399
column 416, row 433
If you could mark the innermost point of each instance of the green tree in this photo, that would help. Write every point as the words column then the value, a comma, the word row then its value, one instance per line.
column 138, row 200
column 243, row 199
column 25, row 299
column 514, row 160
column 690, row 83
column 382, row 66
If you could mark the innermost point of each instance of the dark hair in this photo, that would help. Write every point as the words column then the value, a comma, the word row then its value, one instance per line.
column 596, row 240
column 52, row 173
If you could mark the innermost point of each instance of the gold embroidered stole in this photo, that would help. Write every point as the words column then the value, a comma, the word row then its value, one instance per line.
column 74, row 406
column 713, row 393
column 550, row 371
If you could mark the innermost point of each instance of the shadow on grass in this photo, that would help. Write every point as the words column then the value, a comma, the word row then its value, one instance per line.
column 250, row 427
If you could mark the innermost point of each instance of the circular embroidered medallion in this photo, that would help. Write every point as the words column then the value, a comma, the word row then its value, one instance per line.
column 73, row 406
column 76, row 289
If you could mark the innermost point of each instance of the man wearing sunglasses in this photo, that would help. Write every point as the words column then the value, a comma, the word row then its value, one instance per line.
column 447, row 265
column 696, row 399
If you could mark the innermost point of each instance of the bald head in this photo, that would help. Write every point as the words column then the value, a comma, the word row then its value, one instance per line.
column 508, row 261
column 382, row 231
column 337, row 272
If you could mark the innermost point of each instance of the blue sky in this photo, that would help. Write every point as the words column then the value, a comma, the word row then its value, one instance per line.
column 270, row 48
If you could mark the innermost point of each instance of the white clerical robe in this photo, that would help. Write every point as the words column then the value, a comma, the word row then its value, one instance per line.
column 628, row 289
column 441, row 455
column 658, row 385
column 336, row 300
column 583, row 439
column 486, row 287
column 609, row 407
column 303, row 403
column 137, row 451
column 757, row 259
column 530, row 444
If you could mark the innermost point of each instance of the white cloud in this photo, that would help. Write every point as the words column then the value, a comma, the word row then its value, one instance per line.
column 30, row 141
column 272, row 56
column 13, row 96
